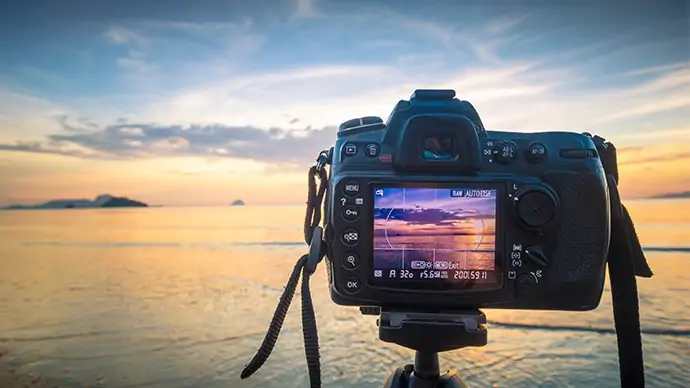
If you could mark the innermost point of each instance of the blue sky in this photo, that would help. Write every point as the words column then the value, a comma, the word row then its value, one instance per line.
column 73, row 74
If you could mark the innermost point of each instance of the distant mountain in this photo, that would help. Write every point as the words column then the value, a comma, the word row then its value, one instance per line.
column 682, row 194
column 104, row 200
column 238, row 202
column 123, row 202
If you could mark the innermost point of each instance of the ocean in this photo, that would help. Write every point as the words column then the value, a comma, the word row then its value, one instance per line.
column 182, row 297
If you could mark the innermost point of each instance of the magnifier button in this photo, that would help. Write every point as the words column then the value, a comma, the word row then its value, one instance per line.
column 350, row 260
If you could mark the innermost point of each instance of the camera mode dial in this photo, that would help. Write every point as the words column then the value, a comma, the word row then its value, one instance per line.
column 359, row 122
column 535, row 207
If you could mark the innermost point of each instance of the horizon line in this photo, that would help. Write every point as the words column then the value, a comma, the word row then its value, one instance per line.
column 3, row 206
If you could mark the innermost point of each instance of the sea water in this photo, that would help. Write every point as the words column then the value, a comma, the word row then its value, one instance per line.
column 182, row 297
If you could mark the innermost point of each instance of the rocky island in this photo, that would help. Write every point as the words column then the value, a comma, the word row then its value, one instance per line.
column 237, row 202
column 682, row 194
column 102, row 201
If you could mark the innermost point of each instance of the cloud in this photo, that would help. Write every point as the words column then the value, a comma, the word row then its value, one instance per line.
column 137, row 141
column 243, row 117
column 196, row 27
column 122, row 36
column 261, row 112
column 652, row 154
column 136, row 65
column 318, row 95
column 43, row 148
column 173, row 54
column 656, row 69
column 307, row 10
column 482, row 45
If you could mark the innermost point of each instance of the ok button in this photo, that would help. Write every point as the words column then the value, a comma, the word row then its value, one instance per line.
column 350, row 213
column 352, row 285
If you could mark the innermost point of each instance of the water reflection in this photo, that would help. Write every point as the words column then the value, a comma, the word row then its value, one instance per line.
column 165, row 311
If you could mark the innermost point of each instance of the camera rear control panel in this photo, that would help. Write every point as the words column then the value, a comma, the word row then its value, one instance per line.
column 351, row 204
column 532, row 207
column 535, row 209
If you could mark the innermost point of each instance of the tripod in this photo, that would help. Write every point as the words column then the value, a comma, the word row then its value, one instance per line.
column 429, row 334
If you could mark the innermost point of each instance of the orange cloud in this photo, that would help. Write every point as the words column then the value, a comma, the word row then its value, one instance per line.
column 654, row 170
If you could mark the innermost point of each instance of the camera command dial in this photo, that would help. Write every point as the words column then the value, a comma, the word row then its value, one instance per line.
column 535, row 207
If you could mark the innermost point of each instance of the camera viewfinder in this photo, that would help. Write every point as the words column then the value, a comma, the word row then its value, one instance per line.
column 438, row 148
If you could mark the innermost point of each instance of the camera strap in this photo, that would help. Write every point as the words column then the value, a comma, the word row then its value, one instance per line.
column 626, row 260
column 306, row 265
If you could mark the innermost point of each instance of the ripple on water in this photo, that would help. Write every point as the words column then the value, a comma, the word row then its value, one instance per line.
column 162, row 316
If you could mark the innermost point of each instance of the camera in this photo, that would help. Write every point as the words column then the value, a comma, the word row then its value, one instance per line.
column 429, row 217
column 431, row 211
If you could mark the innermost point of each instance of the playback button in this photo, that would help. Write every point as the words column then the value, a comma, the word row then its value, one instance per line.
column 350, row 213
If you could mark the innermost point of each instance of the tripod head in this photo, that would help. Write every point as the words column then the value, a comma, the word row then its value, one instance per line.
column 428, row 333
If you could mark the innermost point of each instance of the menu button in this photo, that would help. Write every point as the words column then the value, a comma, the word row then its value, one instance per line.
column 351, row 188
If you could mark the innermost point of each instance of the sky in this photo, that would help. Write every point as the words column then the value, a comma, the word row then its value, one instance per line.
column 201, row 103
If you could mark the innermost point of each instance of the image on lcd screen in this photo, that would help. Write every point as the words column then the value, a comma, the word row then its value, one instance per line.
column 443, row 230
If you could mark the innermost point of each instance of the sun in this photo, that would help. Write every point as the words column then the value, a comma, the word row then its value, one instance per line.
column 478, row 226
column 478, row 230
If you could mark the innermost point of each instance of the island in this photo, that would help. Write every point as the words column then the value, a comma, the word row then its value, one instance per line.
column 101, row 201
column 682, row 194
column 237, row 202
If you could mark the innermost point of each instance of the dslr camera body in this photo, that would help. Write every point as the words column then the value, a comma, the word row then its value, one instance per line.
column 429, row 211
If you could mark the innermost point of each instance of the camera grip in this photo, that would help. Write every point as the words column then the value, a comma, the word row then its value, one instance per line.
column 581, row 238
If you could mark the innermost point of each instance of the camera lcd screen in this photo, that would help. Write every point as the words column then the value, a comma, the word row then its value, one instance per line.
column 435, row 238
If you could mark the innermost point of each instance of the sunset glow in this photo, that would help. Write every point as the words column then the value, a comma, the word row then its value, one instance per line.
column 200, row 106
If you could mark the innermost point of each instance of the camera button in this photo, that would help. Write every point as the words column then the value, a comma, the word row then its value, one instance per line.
column 505, row 152
column 350, row 149
column 350, row 237
column 350, row 213
column 536, row 152
column 352, row 285
column 351, row 261
column 351, row 188
column 372, row 150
